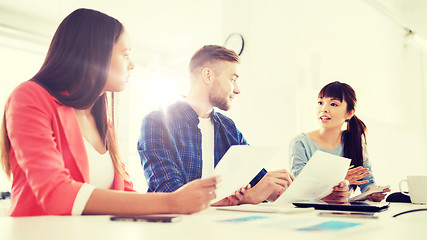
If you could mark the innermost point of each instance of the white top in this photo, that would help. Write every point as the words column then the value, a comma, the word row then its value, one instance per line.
column 208, row 144
column 101, row 168
column 101, row 175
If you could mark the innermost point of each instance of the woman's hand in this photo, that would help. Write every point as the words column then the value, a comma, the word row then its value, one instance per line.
column 378, row 196
column 355, row 174
column 194, row 196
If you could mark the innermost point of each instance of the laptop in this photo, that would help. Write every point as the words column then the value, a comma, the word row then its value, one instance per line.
column 357, row 206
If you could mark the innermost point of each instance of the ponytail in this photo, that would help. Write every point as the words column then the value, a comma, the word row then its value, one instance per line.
column 354, row 138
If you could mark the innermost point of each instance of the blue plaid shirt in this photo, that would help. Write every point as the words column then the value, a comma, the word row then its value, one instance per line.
column 170, row 146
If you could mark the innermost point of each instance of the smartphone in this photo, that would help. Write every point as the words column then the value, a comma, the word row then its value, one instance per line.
column 146, row 218
column 348, row 214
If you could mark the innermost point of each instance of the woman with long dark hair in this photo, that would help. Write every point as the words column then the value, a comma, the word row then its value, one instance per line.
column 58, row 138
column 336, row 106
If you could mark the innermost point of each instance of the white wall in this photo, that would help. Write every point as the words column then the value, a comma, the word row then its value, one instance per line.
column 21, row 55
column 292, row 49
column 296, row 47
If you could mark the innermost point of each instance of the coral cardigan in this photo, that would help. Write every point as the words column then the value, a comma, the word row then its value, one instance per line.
column 47, row 157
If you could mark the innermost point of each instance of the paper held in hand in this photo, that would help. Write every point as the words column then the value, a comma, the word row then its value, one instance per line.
column 316, row 180
column 239, row 165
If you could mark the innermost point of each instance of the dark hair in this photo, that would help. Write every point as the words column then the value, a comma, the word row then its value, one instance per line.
column 210, row 54
column 76, row 68
column 78, row 58
column 356, row 129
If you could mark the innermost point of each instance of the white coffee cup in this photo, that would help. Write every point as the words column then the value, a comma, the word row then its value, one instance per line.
column 417, row 186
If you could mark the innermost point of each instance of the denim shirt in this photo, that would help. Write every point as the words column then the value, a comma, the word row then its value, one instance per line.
column 302, row 147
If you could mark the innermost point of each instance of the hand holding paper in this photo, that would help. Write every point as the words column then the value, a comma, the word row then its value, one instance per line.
column 322, row 172
column 270, row 187
column 239, row 165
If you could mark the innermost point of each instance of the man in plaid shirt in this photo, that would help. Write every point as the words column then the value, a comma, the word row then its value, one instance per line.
column 186, row 140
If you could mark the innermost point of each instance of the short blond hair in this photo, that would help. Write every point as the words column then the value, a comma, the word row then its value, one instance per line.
column 209, row 54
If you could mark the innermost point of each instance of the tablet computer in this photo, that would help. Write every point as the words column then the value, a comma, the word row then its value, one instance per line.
column 347, row 206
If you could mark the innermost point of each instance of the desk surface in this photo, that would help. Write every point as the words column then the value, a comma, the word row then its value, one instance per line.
column 210, row 224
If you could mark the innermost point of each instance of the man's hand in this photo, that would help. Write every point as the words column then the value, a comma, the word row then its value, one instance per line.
column 340, row 193
column 233, row 200
column 270, row 187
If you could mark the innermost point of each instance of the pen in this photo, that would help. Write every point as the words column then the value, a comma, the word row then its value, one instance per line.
column 351, row 166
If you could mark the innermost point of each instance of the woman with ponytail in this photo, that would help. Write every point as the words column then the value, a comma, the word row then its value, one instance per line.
column 336, row 106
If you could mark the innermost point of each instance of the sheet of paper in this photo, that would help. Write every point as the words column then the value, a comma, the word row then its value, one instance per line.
column 317, row 179
column 239, row 165
column 265, row 208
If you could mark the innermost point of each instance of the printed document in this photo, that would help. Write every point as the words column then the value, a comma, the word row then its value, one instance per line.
column 316, row 180
column 239, row 165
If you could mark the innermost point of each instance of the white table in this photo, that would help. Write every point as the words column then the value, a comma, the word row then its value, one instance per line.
column 209, row 225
